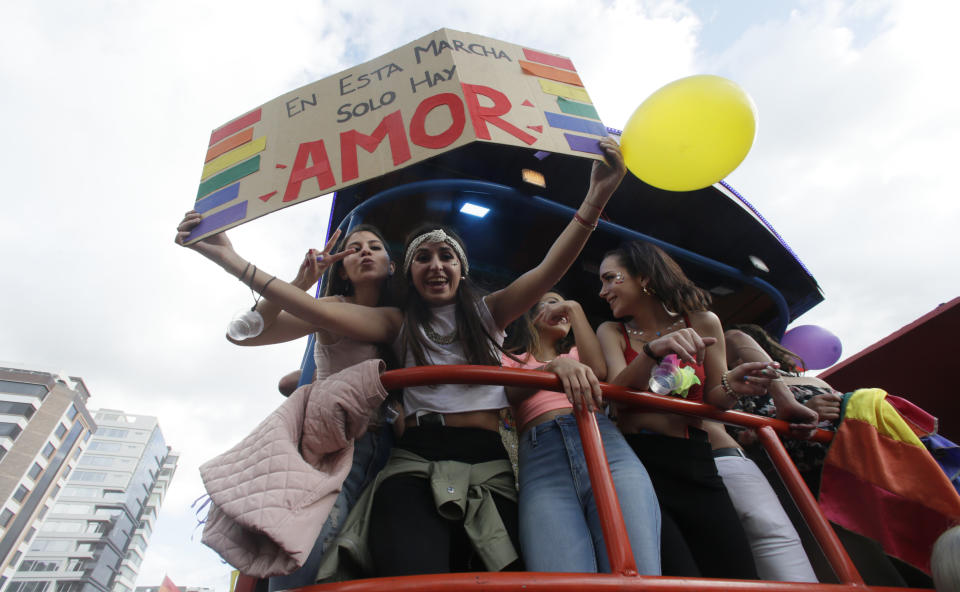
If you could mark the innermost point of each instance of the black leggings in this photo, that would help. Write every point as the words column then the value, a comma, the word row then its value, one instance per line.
column 407, row 535
column 698, row 517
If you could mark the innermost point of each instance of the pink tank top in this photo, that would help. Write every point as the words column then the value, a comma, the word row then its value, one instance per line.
column 542, row 401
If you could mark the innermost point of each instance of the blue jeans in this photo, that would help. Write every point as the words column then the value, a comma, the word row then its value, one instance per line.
column 370, row 453
column 559, row 526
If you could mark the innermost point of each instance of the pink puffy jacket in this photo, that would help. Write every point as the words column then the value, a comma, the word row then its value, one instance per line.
column 271, row 493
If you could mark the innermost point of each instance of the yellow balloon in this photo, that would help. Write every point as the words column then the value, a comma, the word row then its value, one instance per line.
column 690, row 134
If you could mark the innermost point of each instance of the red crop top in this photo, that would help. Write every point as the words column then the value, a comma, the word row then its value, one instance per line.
column 696, row 391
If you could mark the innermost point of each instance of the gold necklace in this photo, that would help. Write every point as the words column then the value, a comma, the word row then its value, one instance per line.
column 638, row 333
column 437, row 338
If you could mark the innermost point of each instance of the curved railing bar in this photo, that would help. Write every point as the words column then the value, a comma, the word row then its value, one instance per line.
column 454, row 374
column 621, row 558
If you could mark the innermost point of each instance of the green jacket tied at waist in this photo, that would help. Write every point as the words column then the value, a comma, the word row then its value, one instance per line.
column 461, row 491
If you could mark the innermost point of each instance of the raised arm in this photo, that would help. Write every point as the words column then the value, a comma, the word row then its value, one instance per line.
column 512, row 301
column 362, row 323
column 587, row 344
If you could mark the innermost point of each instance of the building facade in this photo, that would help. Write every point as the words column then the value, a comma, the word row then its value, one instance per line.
column 44, row 427
column 96, row 534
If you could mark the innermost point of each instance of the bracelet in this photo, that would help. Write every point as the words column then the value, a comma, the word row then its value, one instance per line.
column 649, row 351
column 597, row 208
column 256, row 300
column 584, row 223
column 244, row 272
column 725, row 385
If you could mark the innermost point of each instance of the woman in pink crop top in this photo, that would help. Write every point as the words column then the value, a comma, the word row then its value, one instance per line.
column 556, row 501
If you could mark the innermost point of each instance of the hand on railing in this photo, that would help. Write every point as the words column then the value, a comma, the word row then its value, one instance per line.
column 463, row 374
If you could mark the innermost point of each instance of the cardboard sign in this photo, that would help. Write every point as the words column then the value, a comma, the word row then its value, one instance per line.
column 436, row 94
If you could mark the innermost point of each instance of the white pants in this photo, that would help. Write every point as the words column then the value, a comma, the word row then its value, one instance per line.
column 776, row 547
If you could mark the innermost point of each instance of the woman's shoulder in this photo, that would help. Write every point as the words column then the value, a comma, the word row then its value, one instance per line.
column 609, row 326
column 704, row 322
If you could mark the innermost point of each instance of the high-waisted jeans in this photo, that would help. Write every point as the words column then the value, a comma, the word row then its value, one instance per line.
column 559, row 526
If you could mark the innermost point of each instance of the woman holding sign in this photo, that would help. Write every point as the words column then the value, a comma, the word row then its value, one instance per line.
column 442, row 320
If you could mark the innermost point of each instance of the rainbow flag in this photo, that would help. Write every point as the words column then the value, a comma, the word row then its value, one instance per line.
column 880, row 481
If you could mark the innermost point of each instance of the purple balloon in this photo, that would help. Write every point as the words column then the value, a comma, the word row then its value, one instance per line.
column 818, row 347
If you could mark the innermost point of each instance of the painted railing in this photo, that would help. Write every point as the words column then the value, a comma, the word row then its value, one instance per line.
column 623, row 574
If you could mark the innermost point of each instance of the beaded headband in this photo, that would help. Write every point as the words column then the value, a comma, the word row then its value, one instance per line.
column 435, row 236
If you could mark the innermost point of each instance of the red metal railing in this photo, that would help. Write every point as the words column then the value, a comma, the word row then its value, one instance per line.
column 624, row 572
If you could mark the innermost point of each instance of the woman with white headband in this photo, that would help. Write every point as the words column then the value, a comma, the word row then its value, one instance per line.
column 446, row 501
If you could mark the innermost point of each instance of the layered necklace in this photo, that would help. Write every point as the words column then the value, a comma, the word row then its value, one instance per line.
column 639, row 333
column 438, row 338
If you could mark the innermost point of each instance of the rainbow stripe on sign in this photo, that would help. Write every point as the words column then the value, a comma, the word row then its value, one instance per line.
column 558, row 77
column 233, row 154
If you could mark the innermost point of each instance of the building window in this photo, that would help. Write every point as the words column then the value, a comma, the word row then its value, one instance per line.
column 20, row 493
column 3, row 452
column 98, row 461
column 5, row 516
column 23, row 388
column 72, row 412
column 48, row 450
column 30, row 534
column 91, row 476
column 28, row 586
column 51, row 545
column 35, row 471
column 9, row 430
column 105, row 446
column 69, row 586
column 17, row 408
column 76, row 564
column 31, row 565
column 61, row 430
column 112, row 433
column 43, row 513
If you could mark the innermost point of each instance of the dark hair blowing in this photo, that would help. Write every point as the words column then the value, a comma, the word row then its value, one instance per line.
column 524, row 338
column 340, row 285
column 478, row 346
column 787, row 359
column 667, row 280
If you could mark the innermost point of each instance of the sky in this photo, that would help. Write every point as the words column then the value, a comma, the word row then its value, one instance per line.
column 110, row 105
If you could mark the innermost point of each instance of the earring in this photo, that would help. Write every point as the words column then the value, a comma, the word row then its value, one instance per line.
column 645, row 291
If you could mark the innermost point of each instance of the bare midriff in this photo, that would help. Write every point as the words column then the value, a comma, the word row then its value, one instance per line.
column 545, row 417
column 668, row 424
column 488, row 419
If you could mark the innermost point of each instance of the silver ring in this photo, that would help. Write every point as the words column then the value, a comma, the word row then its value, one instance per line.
column 320, row 258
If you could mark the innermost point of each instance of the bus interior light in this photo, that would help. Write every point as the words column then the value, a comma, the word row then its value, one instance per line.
column 474, row 209
column 534, row 177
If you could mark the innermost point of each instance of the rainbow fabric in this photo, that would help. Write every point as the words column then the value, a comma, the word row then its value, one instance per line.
column 880, row 481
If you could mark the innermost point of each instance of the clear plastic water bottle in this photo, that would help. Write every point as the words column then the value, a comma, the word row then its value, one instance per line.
column 666, row 377
column 245, row 324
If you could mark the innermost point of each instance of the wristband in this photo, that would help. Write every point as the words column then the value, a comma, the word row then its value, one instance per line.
column 584, row 223
column 725, row 385
column 649, row 351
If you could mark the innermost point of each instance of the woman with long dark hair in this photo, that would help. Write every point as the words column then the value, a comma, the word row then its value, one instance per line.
column 446, row 499
column 665, row 313
column 360, row 269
